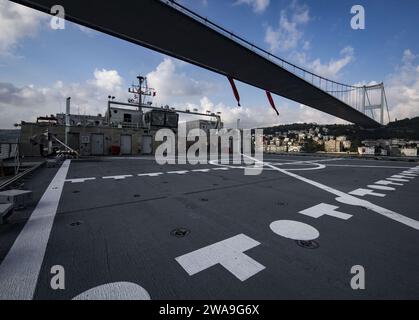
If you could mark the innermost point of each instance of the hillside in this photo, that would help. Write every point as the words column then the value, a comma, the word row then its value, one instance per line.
column 403, row 129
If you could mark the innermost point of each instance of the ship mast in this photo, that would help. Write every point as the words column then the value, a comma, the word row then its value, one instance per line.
column 140, row 91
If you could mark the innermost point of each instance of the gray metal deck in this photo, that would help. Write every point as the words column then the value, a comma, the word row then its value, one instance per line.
column 111, row 221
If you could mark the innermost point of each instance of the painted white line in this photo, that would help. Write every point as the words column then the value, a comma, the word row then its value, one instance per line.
column 351, row 200
column 408, row 174
column 178, row 172
column 307, row 161
column 118, row 177
column 201, row 170
column 115, row 291
column 317, row 166
column 387, row 183
column 294, row 230
column 290, row 160
column 221, row 169
column 301, row 178
column 398, row 180
column 229, row 253
column 402, row 177
column 153, row 174
column 20, row 269
column 364, row 192
column 384, row 188
column 324, row 209
column 380, row 210
column 363, row 166
column 79, row 180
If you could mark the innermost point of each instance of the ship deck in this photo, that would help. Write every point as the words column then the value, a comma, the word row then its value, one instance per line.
column 124, row 221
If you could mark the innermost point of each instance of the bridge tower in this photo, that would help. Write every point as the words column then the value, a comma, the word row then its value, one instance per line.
column 373, row 99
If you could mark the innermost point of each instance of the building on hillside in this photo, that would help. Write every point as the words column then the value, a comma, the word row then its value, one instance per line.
column 366, row 151
column 333, row 146
column 346, row 145
column 295, row 149
column 409, row 152
column 395, row 151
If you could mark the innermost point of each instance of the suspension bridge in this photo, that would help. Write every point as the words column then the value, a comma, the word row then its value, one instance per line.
column 172, row 29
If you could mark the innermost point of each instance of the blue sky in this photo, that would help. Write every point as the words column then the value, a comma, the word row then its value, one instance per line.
column 40, row 66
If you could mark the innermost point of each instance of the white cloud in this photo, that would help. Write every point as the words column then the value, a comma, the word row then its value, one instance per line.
column 16, row 23
column 108, row 80
column 288, row 34
column 329, row 69
column 170, row 83
column 30, row 101
column 306, row 45
column 402, row 88
column 258, row 6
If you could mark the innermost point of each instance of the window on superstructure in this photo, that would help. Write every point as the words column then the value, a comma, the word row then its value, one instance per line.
column 127, row 117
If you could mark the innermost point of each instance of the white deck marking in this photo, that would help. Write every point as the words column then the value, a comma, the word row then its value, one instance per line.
column 364, row 166
column 351, row 200
column 115, row 291
column 221, row 169
column 384, row 188
column 201, row 170
column 408, row 174
column 402, row 176
column 398, row 180
column 228, row 253
column 178, row 172
column 306, row 161
column 121, row 177
column 79, row 180
column 386, row 183
column 20, row 269
column 294, row 230
column 383, row 211
column 153, row 174
column 364, row 192
column 324, row 209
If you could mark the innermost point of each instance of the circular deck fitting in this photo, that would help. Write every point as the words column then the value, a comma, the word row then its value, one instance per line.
column 308, row 244
column 180, row 232
column 76, row 224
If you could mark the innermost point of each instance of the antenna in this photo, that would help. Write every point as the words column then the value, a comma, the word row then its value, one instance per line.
column 141, row 92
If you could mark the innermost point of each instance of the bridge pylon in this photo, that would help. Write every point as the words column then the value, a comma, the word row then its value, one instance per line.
column 374, row 99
